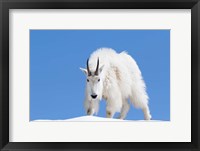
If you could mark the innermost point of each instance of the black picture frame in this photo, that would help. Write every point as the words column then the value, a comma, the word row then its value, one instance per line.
column 5, row 5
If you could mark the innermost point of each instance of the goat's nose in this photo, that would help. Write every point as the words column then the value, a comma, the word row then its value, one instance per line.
column 93, row 96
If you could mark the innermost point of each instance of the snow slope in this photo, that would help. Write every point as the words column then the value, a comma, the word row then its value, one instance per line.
column 86, row 118
column 90, row 118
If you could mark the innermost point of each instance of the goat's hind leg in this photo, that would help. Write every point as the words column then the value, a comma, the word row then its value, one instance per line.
column 142, row 105
column 146, row 111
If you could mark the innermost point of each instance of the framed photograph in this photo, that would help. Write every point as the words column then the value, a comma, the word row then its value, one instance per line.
column 99, row 75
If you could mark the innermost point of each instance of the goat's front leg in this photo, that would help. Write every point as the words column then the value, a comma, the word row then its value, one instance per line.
column 90, row 111
column 91, row 106
column 109, row 113
column 114, row 102
column 113, row 107
column 124, row 110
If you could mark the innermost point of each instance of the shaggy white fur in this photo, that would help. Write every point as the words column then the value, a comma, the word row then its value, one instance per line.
column 118, row 80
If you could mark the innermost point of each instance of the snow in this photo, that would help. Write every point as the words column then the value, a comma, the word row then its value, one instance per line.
column 86, row 118
column 89, row 118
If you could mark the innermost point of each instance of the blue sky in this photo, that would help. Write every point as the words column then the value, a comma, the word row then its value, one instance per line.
column 57, row 84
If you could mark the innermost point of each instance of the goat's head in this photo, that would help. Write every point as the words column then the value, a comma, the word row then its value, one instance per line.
column 94, row 83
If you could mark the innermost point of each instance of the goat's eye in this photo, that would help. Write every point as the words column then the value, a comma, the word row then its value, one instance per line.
column 87, row 80
column 98, row 80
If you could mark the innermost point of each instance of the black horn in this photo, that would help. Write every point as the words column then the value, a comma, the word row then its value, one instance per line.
column 89, row 73
column 97, row 68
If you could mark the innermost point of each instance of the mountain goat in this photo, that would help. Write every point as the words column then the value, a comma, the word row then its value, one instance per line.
column 116, row 78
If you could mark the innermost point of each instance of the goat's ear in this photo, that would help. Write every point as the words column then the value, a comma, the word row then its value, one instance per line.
column 101, row 68
column 84, row 71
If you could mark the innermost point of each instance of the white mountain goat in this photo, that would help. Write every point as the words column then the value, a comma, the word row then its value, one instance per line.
column 116, row 78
